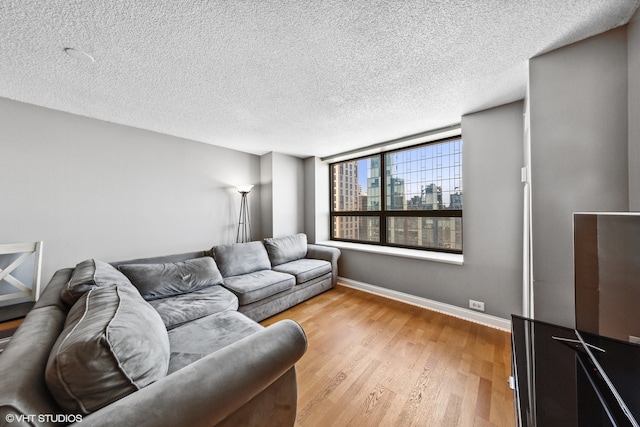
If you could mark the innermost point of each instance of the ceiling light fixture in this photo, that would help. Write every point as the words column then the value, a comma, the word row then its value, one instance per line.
column 79, row 55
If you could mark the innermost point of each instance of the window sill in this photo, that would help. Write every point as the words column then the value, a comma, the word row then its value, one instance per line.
column 400, row 252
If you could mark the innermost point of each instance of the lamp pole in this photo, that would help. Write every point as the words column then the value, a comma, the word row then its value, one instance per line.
column 244, row 222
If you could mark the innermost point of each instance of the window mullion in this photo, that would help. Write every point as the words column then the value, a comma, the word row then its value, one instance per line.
column 383, row 201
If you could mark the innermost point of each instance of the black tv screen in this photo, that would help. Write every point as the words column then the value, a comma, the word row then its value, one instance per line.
column 607, row 274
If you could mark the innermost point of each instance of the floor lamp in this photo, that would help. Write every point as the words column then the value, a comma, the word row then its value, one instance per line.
column 244, row 223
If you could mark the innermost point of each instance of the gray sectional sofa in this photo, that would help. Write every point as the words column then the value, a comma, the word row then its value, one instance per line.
column 167, row 341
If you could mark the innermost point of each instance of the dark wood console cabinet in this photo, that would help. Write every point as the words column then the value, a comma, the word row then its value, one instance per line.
column 564, row 377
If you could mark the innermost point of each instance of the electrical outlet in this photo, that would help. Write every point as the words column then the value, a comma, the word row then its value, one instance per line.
column 635, row 340
column 476, row 305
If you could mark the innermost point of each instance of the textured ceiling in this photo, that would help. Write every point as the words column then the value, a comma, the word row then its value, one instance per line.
column 297, row 77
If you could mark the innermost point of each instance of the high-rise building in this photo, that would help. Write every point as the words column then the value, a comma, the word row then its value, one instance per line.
column 346, row 192
column 456, row 201
column 373, row 185
column 432, row 197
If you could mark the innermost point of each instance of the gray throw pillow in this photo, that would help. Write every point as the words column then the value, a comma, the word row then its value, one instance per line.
column 174, row 278
column 285, row 249
column 241, row 258
column 91, row 274
column 113, row 344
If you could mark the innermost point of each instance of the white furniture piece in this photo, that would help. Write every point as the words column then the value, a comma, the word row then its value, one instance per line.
column 25, row 250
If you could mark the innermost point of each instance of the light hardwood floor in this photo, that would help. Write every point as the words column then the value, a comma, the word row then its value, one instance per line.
column 10, row 324
column 373, row 361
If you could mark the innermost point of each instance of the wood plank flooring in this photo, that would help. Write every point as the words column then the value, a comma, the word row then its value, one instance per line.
column 10, row 324
column 373, row 361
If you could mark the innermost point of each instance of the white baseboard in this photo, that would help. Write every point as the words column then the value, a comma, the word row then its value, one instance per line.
column 451, row 310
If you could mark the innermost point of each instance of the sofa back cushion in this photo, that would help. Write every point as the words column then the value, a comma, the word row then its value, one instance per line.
column 113, row 344
column 286, row 249
column 241, row 258
column 90, row 274
column 163, row 259
column 173, row 278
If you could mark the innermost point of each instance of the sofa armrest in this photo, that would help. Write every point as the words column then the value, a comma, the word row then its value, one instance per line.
column 212, row 388
column 51, row 293
column 326, row 253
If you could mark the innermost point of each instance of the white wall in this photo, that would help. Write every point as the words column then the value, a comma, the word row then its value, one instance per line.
column 288, row 197
column 282, row 176
column 579, row 147
column 266, row 194
column 92, row 189
column 316, row 199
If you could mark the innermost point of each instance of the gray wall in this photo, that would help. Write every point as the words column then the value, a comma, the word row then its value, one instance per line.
column 578, row 100
column 92, row 189
column 633, row 50
column 493, row 209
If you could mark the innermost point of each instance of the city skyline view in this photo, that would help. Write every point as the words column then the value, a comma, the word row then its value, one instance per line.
column 415, row 172
column 422, row 178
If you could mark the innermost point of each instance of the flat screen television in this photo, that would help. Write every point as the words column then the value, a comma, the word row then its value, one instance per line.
column 607, row 274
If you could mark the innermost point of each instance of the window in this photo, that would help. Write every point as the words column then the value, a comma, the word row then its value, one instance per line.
column 410, row 198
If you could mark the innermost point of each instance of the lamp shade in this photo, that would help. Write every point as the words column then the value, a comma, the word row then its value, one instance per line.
column 245, row 188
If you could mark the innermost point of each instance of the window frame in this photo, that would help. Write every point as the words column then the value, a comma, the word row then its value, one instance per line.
column 383, row 214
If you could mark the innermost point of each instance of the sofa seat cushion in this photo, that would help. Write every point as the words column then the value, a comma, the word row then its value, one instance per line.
column 285, row 249
column 258, row 285
column 194, row 340
column 305, row 269
column 90, row 274
column 183, row 308
column 241, row 258
column 113, row 344
column 172, row 278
